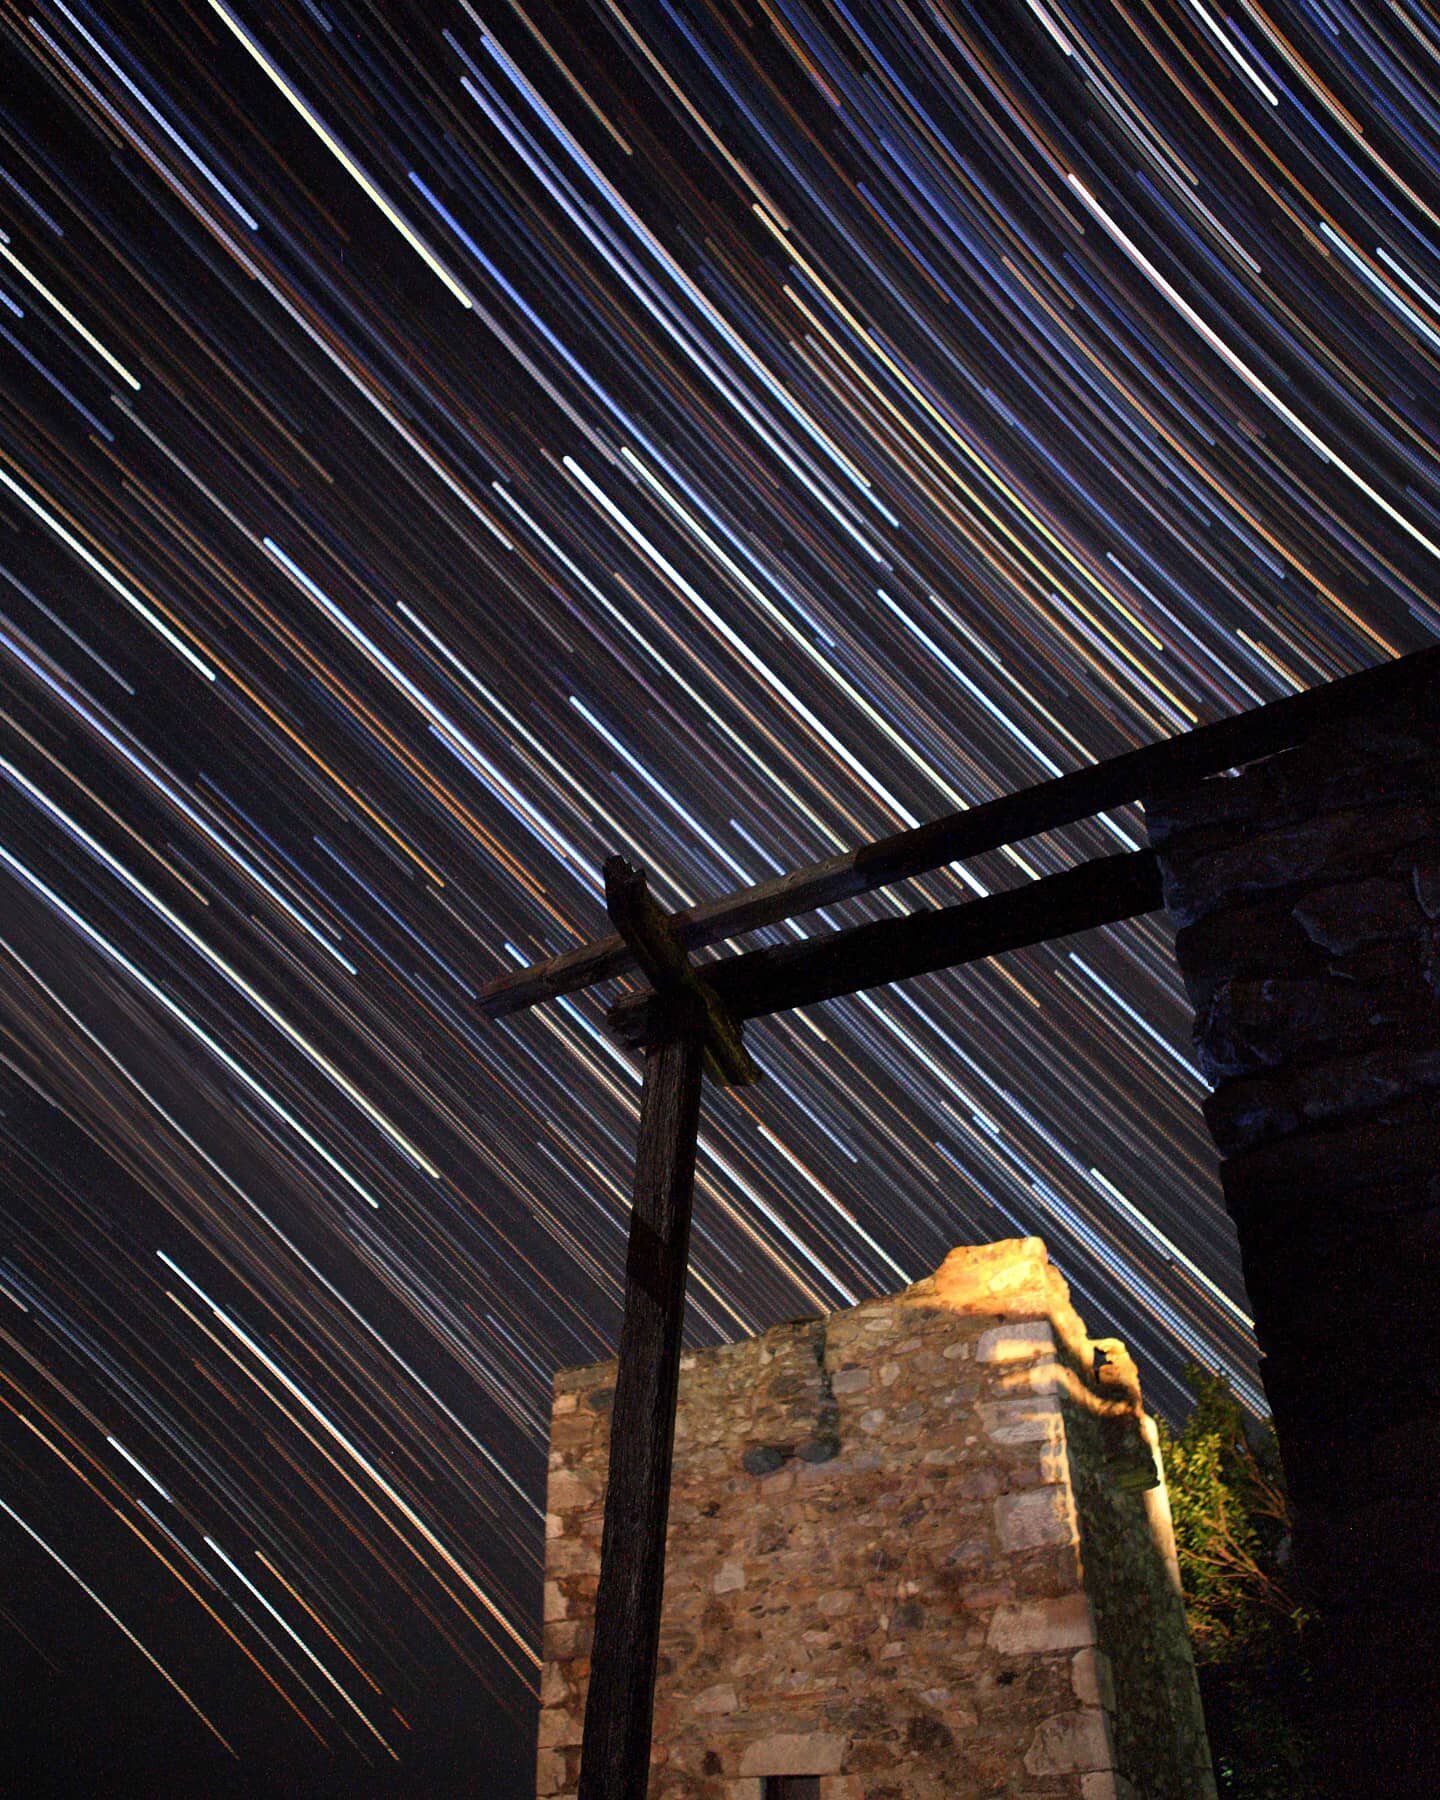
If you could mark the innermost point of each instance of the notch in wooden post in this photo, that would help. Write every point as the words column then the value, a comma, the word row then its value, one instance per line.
column 661, row 958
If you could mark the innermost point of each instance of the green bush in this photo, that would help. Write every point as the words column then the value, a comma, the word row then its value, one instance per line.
column 1232, row 1536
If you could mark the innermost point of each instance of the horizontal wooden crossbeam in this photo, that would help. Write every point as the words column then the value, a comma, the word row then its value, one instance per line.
column 843, row 962
column 1174, row 762
column 664, row 964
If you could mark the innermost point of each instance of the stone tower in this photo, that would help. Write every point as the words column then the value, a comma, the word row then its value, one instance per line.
column 919, row 1548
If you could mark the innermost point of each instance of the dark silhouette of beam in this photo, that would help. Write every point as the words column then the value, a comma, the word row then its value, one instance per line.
column 1174, row 762
column 866, row 956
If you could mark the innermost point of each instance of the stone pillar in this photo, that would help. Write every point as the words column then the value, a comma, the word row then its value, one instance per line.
column 918, row 1549
column 1305, row 890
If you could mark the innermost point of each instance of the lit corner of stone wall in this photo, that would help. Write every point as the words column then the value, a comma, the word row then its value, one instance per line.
column 574, row 1517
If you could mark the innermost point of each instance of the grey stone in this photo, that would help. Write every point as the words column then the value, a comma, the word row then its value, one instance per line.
column 1028, row 1520
column 818, row 1449
column 795, row 1753
column 1064, row 1624
column 1286, row 858
column 1018, row 1342
column 1070, row 1742
column 763, row 1459
column 720, row 1698
column 1351, row 913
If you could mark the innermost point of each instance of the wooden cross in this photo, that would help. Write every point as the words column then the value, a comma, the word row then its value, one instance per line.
column 691, row 1018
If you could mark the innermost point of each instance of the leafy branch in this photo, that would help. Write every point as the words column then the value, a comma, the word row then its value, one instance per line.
column 1232, row 1541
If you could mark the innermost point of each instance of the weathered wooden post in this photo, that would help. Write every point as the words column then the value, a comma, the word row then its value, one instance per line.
column 616, row 1758
column 693, row 1032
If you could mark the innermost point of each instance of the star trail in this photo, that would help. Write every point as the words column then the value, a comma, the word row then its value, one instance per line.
column 442, row 446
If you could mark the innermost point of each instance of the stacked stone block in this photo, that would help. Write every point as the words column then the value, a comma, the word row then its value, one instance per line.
column 918, row 1548
column 1306, row 892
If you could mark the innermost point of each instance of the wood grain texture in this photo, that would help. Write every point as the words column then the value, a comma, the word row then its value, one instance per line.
column 650, row 935
column 843, row 962
column 1174, row 762
column 615, row 1758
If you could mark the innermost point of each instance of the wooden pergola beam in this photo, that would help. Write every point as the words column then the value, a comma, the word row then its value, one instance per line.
column 1100, row 892
column 652, row 940
column 1174, row 762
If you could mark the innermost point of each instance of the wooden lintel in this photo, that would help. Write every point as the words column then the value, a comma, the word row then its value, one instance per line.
column 843, row 962
column 1155, row 768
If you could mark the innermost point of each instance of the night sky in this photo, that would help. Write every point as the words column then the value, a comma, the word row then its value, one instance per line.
column 443, row 445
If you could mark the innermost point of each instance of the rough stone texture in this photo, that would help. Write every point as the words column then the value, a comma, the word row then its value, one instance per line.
column 916, row 1548
column 1306, row 888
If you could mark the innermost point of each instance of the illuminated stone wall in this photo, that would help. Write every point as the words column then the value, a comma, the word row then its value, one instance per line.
column 915, row 1549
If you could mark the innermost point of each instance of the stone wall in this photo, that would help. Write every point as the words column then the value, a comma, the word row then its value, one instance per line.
column 1306, row 890
column 916, row 1548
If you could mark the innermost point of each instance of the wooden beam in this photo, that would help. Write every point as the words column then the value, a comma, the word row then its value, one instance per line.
column 615, row 1756
column 843, row 962
column 1174, row 762
column 650, row 935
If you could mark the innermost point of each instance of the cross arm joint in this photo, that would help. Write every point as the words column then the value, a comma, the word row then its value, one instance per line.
column 679, row 989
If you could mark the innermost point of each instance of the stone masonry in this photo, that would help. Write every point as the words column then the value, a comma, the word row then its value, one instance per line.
column 1306, row 893
column 918, row 1548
